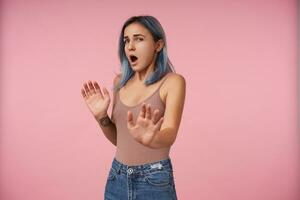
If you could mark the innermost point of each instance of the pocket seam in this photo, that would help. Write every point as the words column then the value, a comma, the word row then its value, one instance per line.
column 112, row 174
column 158, row 184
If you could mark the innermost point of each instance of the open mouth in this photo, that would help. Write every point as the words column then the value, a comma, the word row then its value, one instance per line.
column 133, row 58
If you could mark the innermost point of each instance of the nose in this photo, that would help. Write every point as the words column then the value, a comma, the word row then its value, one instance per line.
column 130, row 45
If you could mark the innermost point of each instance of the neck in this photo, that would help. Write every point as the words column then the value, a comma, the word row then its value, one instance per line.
column 140, row 76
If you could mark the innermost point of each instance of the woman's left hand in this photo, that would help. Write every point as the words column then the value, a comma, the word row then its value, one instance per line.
column 146, row 126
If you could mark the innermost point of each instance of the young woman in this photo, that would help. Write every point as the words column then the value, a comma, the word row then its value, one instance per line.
column 148, row 101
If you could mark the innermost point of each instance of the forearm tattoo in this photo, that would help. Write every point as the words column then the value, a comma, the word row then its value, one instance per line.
column 105, row 121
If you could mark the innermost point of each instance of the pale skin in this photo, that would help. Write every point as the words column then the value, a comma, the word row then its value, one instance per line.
column 147, row 129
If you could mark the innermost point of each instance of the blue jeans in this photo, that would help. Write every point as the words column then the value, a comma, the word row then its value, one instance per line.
column 148, row 181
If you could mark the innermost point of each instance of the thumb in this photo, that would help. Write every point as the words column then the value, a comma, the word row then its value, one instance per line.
column 159, row 123
column 130, row 123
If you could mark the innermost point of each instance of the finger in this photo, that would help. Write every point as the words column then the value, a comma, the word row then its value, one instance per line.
column 97, row 89
column 87, row 91
column 105, row 92
column 84, row 94
column 159, row 123
column 130, row 123
column 91, row 87
column 148, row 111
column 143, row 111
column 155, row 116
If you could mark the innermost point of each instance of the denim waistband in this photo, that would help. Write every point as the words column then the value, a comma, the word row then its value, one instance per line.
column 119, row 167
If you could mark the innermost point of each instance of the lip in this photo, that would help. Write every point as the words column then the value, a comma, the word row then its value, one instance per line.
column 133, row 63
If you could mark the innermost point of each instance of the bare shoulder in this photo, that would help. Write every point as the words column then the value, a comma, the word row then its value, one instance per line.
column 175, row 98
column 175, row 80
column 117, row 79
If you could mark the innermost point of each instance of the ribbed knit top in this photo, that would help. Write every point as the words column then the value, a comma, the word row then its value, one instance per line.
column 129, row 151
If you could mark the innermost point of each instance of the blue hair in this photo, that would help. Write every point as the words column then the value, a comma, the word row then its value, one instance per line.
column 162, row 63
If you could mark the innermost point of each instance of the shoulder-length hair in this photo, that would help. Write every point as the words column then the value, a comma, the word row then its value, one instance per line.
column 162, row 63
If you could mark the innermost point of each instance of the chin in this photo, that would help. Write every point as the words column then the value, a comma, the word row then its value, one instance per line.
column 138, row 69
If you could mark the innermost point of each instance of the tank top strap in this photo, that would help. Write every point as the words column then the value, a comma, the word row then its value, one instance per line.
column 156, row 91
column 164, row 79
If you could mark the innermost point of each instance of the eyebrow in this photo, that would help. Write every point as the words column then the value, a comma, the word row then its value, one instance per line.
column 134, row 35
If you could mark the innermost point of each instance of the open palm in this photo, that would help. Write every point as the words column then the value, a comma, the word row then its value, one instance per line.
column 146, row 126
column 97, row 102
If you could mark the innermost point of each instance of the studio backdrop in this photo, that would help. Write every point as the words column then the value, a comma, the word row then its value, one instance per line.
column 238, row 138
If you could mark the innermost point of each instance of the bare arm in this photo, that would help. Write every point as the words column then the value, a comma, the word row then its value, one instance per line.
column 98, row 104
column 108, row 127
column 173, row 113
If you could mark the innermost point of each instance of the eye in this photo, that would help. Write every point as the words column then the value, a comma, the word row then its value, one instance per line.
column 140, row 39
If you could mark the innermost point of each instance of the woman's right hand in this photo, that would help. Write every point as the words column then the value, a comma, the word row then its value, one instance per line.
column 97, row 102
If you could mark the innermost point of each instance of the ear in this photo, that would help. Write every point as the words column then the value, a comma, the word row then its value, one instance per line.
column 159, row 45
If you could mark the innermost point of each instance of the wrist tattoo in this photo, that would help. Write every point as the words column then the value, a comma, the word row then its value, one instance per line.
column 105, row 121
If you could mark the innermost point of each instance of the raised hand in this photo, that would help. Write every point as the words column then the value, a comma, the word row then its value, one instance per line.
column 146, row 126
column 97, row 102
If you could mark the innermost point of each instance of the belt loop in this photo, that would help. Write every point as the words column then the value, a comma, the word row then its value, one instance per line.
column 118, row 168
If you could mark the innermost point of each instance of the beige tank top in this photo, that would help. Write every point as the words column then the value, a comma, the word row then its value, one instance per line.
column 129, row 151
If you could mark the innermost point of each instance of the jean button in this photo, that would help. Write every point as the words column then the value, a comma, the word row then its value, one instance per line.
column 130, row 170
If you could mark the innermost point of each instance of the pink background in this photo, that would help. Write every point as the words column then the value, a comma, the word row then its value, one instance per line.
column 238, row 137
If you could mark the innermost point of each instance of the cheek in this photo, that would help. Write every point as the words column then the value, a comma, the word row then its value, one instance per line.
column 147, row 52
